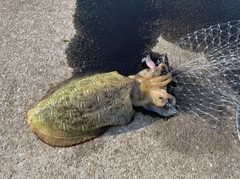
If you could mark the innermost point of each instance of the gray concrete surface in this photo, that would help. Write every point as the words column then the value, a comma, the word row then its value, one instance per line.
column 32, row 60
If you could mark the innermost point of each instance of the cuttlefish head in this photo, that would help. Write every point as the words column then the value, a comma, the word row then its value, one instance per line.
column 150, row 91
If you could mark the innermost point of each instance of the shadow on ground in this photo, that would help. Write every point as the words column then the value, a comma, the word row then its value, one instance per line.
column 116, row 35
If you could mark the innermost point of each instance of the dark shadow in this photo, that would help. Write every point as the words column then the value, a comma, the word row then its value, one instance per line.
column 111, row 35
column 116, row 35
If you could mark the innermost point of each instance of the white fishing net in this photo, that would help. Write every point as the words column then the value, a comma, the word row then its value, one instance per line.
column 206, row 69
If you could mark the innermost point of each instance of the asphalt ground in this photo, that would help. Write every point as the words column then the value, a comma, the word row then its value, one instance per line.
column 33, row 39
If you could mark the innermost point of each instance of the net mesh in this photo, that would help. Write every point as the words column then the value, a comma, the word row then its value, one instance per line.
column 206, row 72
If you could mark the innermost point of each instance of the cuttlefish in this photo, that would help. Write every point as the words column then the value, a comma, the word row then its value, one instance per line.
column 82, row 108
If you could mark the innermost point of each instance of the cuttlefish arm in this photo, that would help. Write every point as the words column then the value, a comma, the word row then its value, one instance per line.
column 150, row 64
column 154, row 69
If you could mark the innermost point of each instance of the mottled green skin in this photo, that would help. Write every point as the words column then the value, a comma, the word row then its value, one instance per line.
column 82, row 109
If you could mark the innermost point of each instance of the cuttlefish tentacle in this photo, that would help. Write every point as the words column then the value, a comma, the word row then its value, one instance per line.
column 160, row 97
column 154, row 70
column 160, row 81
column 160, row 68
